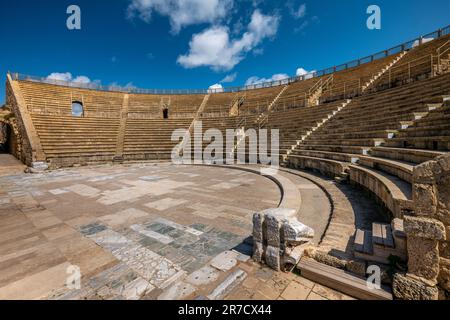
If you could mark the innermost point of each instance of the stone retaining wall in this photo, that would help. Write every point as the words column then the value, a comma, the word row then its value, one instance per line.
column 22, row 150
column 428, row 234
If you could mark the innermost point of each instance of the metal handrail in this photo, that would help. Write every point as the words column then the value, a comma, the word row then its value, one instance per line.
column 348, row 65
column 440, row 54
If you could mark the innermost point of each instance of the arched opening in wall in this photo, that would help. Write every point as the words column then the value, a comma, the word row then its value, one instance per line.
column 165, row 113
column 77, row 109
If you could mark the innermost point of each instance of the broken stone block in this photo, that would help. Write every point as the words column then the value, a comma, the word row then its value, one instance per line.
column 276, row 234
column 272, row 257
column 426, row 172
column 40, row 166
column 329, row 260
column 356, row 267
column 258, row 251
column 280, row 213
column 272, row 230
column 443, row 213
column 423, row 258
column 424, row 196
column 444, row 161
column 444, row 249
column 258, row 227
column 426, row 228
column 444, row 274
column 231, row 282
column 407, row 288
column 296, row 233
column 291, row 257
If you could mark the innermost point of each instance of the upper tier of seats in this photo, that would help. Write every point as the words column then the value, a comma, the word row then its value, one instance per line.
column 219, row 104
column 49, row 99
column 417, row 64
column 151, row 106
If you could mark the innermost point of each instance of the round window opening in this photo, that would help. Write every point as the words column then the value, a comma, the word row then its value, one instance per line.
column 77, row 109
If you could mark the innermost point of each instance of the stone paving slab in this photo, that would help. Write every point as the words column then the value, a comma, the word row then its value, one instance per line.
column 141, row 232
column 126, row 225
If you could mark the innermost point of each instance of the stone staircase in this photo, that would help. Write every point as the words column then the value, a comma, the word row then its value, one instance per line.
column 427, row 124
column 443, row 59
column 274, row 101
column 260, row 121
column 346, row 103
column 383, row 71
column 196, row 118
column 123, row 123
column 313, row 129
column 237, row 102
column 443, row 66
column 262, row 118
column 380, row 243
column 316, row 91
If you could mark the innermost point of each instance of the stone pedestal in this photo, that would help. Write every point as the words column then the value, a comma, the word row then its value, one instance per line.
column 277, row 235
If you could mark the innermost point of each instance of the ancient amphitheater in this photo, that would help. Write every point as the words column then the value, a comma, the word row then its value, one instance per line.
column 363, row 186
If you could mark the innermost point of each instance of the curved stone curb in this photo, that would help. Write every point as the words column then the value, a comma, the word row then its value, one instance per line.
column 290, row 195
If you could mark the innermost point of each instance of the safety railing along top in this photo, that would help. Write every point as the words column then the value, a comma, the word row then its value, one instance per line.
column 351, row 64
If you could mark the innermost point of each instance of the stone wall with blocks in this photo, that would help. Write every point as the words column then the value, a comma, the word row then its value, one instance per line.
column 279, row 238
column 428, row 234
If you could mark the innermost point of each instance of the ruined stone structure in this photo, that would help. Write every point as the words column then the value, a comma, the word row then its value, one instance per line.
column 278, row 237
column 381, row 127
column 428, row 232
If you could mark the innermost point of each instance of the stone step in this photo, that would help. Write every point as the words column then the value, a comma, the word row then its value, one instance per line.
column 382, row 235
column 416, row 156
column 363, row 242
column 394, row 193
column 341, row 280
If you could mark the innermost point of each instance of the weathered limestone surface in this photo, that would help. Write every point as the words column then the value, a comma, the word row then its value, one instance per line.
column 428, row 200
column 408, row 288
column 272, row 257
column 423, row 258
column 428, row 232
column 425, row 228
column 273, row 227
column 277, row 235
column 327, row 259
column 444, row 275
column 30, row 149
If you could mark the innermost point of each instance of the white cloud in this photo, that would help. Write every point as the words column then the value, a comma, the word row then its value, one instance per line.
column 297, row 12
column 300, row 12
column 60, row 76
column 81, row 79
column 181, row 13
column 424, row 40
column 256, row 80
column 229, row 78
column 303, row 72
column 67, row 77
column 117, row 86
column 213, row 47
column 215, row 88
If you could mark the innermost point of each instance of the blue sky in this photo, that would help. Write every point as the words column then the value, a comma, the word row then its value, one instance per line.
column 197, row 43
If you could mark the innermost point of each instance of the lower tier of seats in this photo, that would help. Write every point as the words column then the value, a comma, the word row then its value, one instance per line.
column 389, row 180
